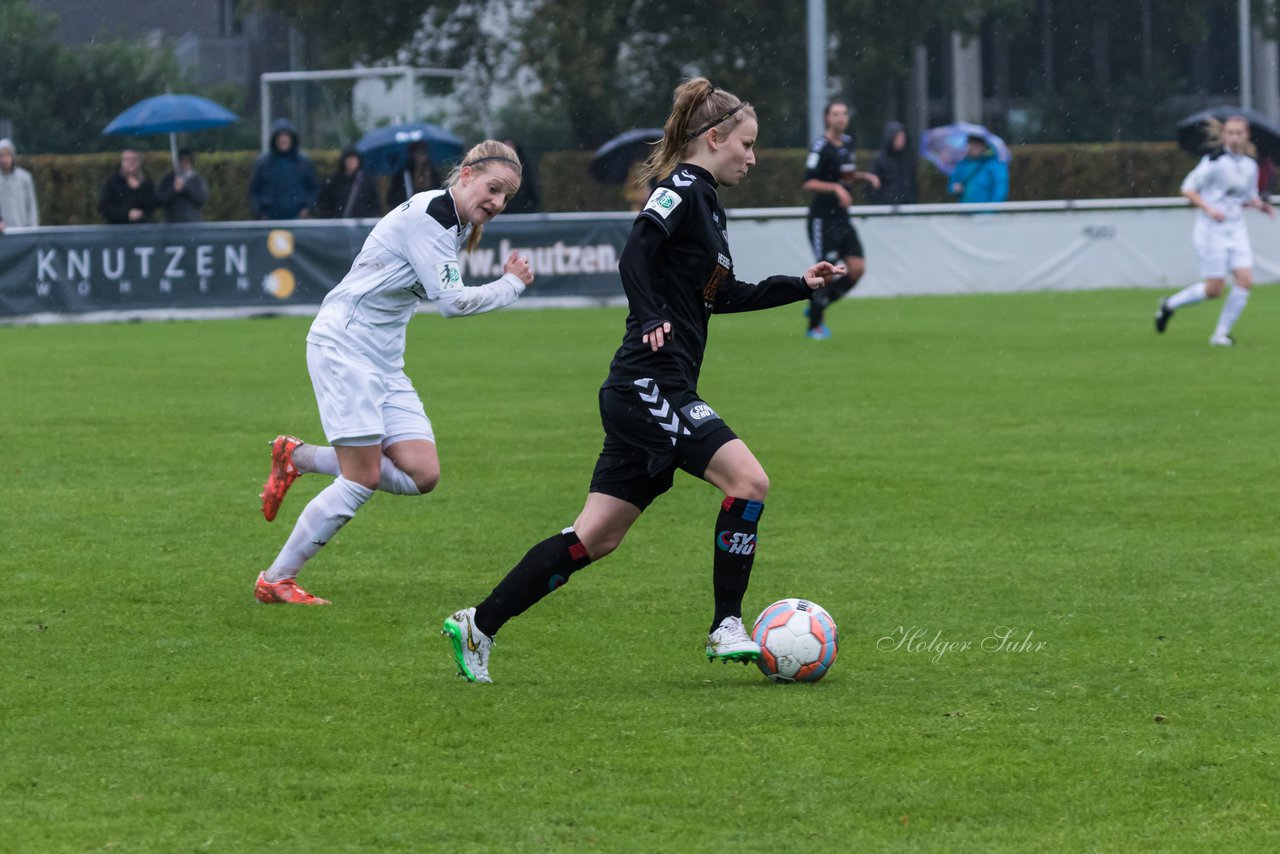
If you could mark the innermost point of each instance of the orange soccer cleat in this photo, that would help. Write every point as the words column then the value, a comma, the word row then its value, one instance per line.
column 283, row 474
column 285, row 592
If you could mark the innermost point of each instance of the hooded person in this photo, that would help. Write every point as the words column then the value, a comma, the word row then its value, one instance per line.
column 283, row 184
column 895, row 166
column 17, row 191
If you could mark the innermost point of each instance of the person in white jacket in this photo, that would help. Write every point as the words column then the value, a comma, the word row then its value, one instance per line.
column 1222, row 185
column 378, row 431
column 17, row 192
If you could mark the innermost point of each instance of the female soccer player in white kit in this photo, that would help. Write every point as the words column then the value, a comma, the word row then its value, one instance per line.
column 1221, row 186
column 380, row 434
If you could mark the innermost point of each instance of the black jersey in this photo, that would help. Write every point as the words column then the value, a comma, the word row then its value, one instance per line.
column 676, row 268
column 829, row 162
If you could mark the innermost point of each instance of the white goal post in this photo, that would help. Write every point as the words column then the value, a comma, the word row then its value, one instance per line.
column 409, row 73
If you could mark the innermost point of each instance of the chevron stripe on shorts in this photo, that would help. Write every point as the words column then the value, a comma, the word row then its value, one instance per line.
column 660, row 408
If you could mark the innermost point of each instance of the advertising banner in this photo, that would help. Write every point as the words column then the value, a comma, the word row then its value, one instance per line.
column 269, row 265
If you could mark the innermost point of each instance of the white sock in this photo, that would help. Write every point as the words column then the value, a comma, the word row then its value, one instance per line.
column 320, row 459
column 1189, row 295
column 1231, row 309
column 323, row 517
column 394, row 480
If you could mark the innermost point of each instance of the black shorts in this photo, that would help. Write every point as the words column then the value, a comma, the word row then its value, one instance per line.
column 833, row 238
column 648, row 435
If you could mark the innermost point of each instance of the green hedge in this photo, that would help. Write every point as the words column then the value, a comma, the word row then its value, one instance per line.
column 67, row 185
column 1112, row 170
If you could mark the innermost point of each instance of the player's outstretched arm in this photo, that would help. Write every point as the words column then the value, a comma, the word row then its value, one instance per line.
column 734, row 295
column 823, row 273
column 459, row 300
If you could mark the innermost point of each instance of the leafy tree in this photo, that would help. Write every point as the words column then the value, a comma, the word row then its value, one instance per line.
column 341, row 32
column 60, row 99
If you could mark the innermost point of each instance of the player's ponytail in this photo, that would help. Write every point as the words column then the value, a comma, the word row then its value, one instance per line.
column 482, row 158
column 696, row 108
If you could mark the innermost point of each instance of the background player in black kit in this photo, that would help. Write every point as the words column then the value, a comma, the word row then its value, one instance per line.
column 830, row 170
column 676, row 271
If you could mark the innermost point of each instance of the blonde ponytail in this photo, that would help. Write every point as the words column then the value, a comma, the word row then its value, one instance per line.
column 696, row 108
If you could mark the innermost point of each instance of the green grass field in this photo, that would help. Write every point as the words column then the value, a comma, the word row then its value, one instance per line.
column 943, row 467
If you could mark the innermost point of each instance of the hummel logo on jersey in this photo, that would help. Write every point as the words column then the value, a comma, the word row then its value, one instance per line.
column 736, row 542
column 682, row 179
column 663, row 202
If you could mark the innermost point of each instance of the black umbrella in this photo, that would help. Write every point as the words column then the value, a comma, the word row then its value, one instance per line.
column 1263, row 132
column 613, row 160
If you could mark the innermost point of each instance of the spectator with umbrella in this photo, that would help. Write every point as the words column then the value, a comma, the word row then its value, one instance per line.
column 171, row 114
column 980, row 176
column 1222, row 185
column 349, row 192
column 419, row 175
column 127, row 197
column 411, row 154
column 183, row 193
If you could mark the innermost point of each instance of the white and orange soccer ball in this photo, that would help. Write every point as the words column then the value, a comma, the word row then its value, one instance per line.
column 797, row 641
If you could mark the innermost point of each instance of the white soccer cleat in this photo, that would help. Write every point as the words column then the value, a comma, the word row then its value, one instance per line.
column 470, row 645
column 730, row 642
column 1222, row 341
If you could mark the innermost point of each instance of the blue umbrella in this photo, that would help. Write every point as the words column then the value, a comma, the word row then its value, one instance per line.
column 170, row 114
column 944, row 146
column 385, row 151
column 611, row 164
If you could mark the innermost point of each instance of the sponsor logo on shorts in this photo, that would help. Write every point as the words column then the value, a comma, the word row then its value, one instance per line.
column 736, row 542
column 701, row 412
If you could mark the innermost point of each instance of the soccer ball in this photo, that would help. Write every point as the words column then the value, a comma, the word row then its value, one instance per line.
column 797, row 641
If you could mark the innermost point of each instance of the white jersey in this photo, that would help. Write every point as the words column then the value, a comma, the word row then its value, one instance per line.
column 411, row 255
column 1226, row 182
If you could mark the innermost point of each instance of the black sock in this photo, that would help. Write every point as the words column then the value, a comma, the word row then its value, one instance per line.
column 735, row 552
column 825, row 296
column 544, row 567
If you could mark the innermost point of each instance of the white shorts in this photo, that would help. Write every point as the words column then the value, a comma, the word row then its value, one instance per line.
column 1222, row 249
column 361, row 405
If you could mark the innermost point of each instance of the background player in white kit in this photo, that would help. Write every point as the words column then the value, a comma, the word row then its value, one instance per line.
column 1221, row 186
column 380, row 435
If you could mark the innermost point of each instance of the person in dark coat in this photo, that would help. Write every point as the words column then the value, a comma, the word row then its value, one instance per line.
column 895, row 166
column 284, row 183
column 127, row 196
column 526, row 199
column 350, row 192
column 184, row 193
column 418, row 176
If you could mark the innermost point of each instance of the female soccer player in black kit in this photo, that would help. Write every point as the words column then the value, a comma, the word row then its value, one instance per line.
column 676, row 271
column 829, row 173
